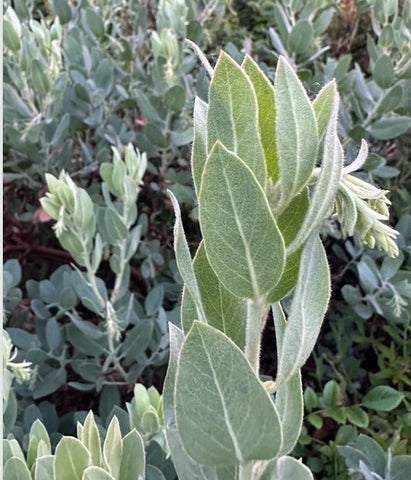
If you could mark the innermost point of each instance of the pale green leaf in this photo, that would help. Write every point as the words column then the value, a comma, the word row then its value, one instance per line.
column 307, row 311
column 38, row 433
column 91, row 439
column 264, row 91
column 242, row 241
column 224, row 415
column 71, row 459
column 183, row 258
column 44, row 469
column 199, row 150
column 296, row 132
column 223, row 310
column 327, row 184
column 96, row 473
column 233, row 115
column 185, row 466
column 132, row 458
column 11, row 448
column 289, row 397
column 290, row 468
column 112, row 447
column 115, row 227
column 16, row 469
column 323, row 105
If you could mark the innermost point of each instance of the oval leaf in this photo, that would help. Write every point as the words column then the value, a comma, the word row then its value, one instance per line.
column 224, row 415
column 233, row 116
column 71, row 459
column 242, row 241
column 223, row 310
column 382, row 398
column 296, row 132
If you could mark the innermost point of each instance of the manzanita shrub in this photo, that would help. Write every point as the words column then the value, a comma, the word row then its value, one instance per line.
column 261, row 203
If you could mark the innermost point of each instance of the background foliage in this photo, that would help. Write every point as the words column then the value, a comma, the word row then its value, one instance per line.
column 83, row 77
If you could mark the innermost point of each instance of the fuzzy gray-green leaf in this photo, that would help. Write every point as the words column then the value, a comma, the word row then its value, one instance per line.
column 296, row 132
column 199, row 150
column 223, row 310
column 289, row 397
column 324, row 105
column 224, row 415
column 71, row 459
column 183, row 259
column 327, row 184
column 242, row 241
column 185, row 466
column 233, row 115
column 307, row 311
column 264, row 91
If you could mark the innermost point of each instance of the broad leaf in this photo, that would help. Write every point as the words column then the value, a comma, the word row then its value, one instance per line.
column 16, row 469
column 296, row 132
column 233, row 115
column 290, row 468
column 133, row 460
column 266, row 114
column 71, row 459
column 383, row 398
column 185, row 466
column 242, row 241
column 199, row 150
column 307, row 311
column 44, row 469
column 183, row 259
column 327, row 184
column 223, row 310
column 224, row 415
column 289, row 397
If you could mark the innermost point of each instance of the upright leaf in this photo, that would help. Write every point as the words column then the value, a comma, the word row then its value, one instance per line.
column 266, row 114
column 71, row 459
column 327, row 184
column 233, row 115
column 289, row 397
column 132, row 465
column 296, row 132
column 38, row 432
column 224, row 414
column 16, row 469
column 324, row 105
column 91, row 439
column 185, row 466
column 199, row 150
column 223, row 310
column 44, row 469
column 113, row 447
column 307, row 311
column 183, row 259
column 242, row 241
